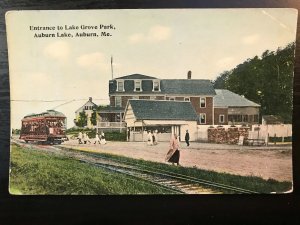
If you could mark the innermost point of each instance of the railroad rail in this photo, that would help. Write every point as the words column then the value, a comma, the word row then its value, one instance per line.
column 174, row 182
column 185, row 183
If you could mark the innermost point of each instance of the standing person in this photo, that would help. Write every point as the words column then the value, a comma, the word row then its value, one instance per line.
column 155, row 140
column 187, row 138
column 128, row 134
column 97, row 139
column 102, row 140
column 85, row 138
column 149, row 138
column 79, row 137
column 174, row 154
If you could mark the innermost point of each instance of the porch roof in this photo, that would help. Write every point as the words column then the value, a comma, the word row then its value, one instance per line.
column 110, row 109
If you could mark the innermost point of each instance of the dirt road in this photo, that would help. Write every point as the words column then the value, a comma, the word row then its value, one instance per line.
column 266, row 162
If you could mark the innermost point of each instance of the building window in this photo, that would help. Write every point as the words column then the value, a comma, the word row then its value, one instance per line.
column 171, row 98
column 202, row 118
column 245, row 118
column 118, row 119
column 186, row 99
column 152, row 97
column 202, row 102
column 118, row 102
column 156, row 86
column 221, row 118
column 120, row 85
column 137, row 85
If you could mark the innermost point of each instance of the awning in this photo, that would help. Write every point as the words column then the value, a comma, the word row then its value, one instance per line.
column 166, row 122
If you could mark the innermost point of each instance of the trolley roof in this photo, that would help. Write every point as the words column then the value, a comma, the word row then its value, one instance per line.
column 48, row 113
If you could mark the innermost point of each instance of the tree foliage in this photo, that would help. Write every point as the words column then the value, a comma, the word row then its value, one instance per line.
column 94, row 118
column 266, row 80
column 82, row 121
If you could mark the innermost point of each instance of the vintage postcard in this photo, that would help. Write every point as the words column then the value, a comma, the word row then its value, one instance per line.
column 151, row 101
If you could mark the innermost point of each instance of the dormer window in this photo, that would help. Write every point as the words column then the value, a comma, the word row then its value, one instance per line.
column 137, row 85
column 156, row 85
column 120, row 85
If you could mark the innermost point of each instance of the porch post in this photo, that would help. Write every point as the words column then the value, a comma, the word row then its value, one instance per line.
column 142, row 130
column 120, row 123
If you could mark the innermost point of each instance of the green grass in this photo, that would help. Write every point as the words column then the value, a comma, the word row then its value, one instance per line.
column 36, row 172
column 252, row 183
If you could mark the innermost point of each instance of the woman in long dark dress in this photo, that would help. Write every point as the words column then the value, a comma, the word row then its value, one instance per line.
column 175, row 153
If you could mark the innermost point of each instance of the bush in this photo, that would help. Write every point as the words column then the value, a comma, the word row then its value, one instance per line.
column 279, row 139
column 115, row 136
column 75, row 130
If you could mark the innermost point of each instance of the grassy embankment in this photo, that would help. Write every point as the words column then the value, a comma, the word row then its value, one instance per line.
column 35, row 172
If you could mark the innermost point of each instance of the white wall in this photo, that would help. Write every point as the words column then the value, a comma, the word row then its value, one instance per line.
column 281, row 130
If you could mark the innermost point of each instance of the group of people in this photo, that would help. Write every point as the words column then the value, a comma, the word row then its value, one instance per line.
column 152, row 138
column 173, row 154
column 83, row 138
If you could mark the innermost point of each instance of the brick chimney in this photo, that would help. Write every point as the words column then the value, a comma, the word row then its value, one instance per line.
column 90, row 99
column 189, row 75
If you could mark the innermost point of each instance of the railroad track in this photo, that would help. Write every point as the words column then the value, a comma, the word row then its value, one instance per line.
column 174, row 182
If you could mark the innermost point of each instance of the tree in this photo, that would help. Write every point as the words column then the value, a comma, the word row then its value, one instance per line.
column 94, row 118
column 219, row 83
column 82, row 121
column 266, row 80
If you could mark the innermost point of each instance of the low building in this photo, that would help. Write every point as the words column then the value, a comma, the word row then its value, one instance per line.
column 165, row 117
column 271, row 119
column 231, row 108
column 89, row 107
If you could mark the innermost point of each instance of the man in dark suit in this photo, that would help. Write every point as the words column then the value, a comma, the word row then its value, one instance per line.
column 187, row 138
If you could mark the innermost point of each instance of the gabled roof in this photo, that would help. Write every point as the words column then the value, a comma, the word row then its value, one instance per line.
column 162, row 110
column 136, row 76
column 87, row 103
column 226, row 98
column 187, row 86
column 271, row 119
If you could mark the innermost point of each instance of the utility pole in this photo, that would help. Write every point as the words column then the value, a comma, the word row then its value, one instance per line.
column 111, row 66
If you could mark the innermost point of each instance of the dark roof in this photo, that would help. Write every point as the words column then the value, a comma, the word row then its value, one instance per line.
column 226, row 98
column 167, row 86
column 111, row 109
column 271, row 119
column 162, row 110
column 187, row 86
column 136, row 76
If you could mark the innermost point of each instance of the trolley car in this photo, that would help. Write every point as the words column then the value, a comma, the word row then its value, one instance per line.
column 48, row 127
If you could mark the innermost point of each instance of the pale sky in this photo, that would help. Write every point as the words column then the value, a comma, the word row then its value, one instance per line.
column 163, row 43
